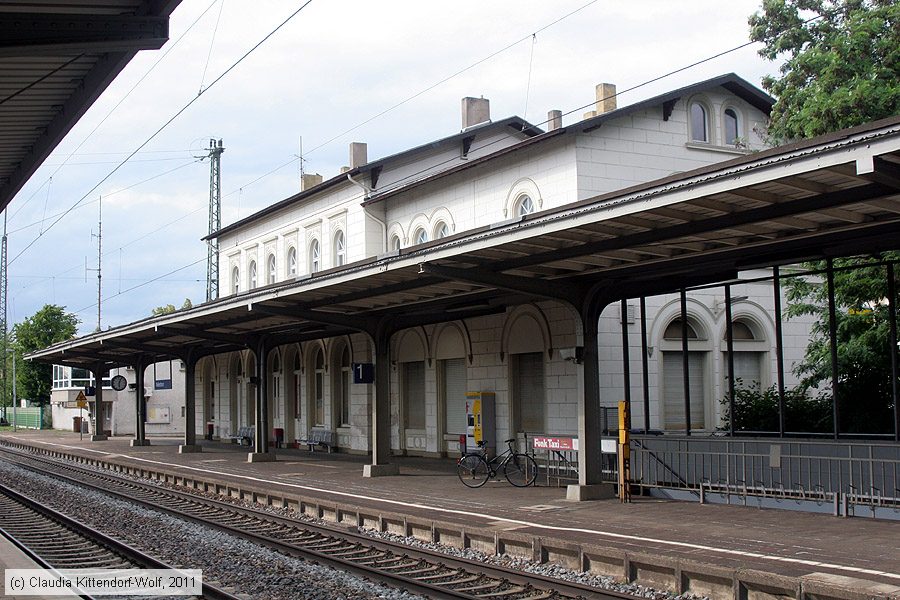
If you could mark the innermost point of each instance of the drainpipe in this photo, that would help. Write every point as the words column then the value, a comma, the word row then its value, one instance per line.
column 367, row 191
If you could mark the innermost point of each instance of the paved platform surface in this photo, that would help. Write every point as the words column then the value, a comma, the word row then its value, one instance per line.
column 780, row 542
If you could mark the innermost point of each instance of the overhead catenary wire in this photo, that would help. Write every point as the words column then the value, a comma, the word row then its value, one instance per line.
column 127, row 94
column 166, row 124
column 140, row 285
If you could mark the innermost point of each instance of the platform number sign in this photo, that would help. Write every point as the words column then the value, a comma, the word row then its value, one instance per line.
column 363, row 373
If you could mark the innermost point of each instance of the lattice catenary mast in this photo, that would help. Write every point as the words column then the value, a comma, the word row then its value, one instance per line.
column 215, row 219
column 3, row 288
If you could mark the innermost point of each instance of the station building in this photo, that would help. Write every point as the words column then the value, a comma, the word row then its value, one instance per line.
column 162, row 392
column 492, row 172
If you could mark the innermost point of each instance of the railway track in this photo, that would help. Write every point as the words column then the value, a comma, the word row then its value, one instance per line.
column 430, row 574
column 55, row 541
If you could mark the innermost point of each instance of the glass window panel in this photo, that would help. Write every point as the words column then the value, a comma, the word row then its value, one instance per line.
column 698, row 123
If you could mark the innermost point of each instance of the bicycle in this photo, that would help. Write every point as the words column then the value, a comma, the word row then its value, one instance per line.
column 474, row 469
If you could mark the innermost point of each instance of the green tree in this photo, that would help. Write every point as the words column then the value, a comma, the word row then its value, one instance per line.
column 49, row 325
column 756, row 410
column 841, row 63
column 170, row 308
column 863, row 341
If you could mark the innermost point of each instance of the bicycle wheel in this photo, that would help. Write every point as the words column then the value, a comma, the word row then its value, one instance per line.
column 472, row 470
column 520, row 470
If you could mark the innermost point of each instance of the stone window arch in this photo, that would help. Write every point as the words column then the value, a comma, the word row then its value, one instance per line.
column 452, row 348
column 252, row 275
column 340, row 249
column 523, row 198
column 441, row 230
column 236, row 280
column 671, row 367
column 315, row 256
column 699, row 121
column 272, row 272
column 292, row 261
column 732, row 129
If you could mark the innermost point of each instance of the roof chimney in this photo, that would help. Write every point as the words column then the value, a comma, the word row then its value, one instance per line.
column 310, row 180
column 606, row 97
column 554, row 120
column 358, row 154
column 475, row 111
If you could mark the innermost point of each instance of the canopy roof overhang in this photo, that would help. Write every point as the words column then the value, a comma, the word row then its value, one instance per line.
column 836, row 195
column 56, row 58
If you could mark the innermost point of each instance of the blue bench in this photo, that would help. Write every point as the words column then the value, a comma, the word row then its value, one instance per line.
column 244, row 436
column 318, row 437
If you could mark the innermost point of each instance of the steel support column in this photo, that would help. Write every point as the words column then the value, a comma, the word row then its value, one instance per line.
column 380, row 431
column 645, row 361
column 779, row 348
column 685, row 369
column 190, row 409
column 729, row 341
column 832, row 336
column 140, row 404
column 892, row 320
column 626, row 359
column 261, row 452
column 98, row 435
column 590, row 465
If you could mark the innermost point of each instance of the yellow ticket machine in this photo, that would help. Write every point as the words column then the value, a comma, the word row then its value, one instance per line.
column 481, row 426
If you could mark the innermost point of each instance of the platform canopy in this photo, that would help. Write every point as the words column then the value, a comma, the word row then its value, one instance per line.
column 835, row 195
column 56, row 58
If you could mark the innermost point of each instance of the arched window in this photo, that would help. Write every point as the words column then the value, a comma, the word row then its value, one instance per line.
column 524, row 205
column 315, row 256
column 421, row 236
column 341, row 390
column 749, row 354
column 732, row 127
column 298, row 370
column 441, row 230
column 395, row 242
column 318, row 385
column 272, row 272
column 673, row 331
column 673, row 373
column 340, row 249
column 699, row 123
column 236, row 280
column 252, row 274
column 292, row 262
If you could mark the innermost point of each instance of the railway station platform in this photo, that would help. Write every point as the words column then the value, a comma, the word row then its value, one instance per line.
column 686, row 547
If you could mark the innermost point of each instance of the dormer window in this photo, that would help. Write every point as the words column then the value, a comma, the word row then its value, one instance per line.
column 732, row 127
column 340, row 249
column 699, row 123
column 315, row 256
column 272, row 272
column 252, row 274
column 524, row 206
column 421, row 236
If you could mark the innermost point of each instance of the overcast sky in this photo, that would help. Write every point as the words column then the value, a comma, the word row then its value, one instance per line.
column 332, row 68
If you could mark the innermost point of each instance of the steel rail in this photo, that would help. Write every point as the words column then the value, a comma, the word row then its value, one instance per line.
column 97, row 548
column 427, row 572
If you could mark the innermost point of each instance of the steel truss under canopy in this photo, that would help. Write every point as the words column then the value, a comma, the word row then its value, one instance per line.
column 836, row 195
